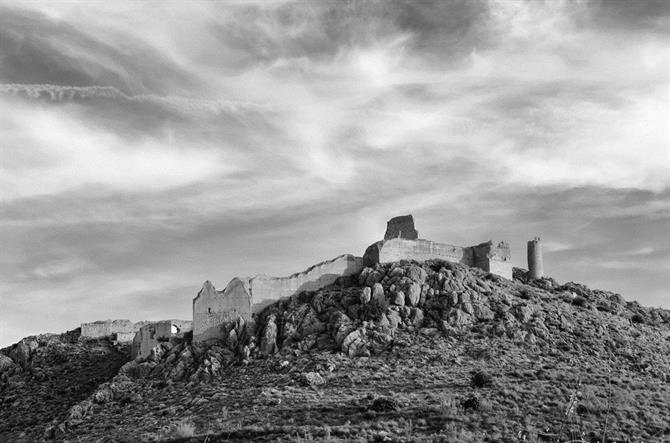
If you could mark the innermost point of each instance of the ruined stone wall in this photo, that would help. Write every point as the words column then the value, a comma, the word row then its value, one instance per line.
column 212, row 309
column 420, row 250
column 151, row 334
column 266, row 289
column 489, row 256
column 105, row 328
column 494, row 258
column 124, row 337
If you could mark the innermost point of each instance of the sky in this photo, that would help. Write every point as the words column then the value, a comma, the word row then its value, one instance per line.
column 146, row 147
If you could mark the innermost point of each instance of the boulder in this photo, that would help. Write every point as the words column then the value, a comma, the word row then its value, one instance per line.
column 312, row 379
column 399, row 298
column 417, row 274
column 378, row 292
column 5, row 363
column 269, row 340
column 413, row 294
column 366, row 295
column 483, row 312
column 459, row 318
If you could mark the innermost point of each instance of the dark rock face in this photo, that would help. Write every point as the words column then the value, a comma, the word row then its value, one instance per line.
column 401, row 227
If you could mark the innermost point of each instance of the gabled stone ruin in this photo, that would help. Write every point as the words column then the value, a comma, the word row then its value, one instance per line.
column 401, row 242
column 213, row 310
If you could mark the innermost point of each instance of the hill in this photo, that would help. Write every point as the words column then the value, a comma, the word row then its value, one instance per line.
column 401, row 352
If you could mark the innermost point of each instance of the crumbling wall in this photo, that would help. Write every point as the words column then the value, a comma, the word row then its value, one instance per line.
column 151, row 334
column 266, row 289
column 420, row 250
column 105, row 328
column 494, row 258
column 124, row 337
column 212, row 309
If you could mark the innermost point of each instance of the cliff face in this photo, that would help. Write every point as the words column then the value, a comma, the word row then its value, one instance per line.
column 403, row 351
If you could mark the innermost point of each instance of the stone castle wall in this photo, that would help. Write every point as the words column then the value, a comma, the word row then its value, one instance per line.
column 266, row 289
column 494, row 258
column 106, row 328
column 420, row 250
column 213, row 309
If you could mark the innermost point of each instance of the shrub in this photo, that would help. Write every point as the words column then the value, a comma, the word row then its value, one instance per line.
column 481, row 379
column 637, row 318
column 471, row 402
column 579, row 301
column 382, row 404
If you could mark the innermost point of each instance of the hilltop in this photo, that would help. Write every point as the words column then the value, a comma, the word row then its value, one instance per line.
column 402, row 351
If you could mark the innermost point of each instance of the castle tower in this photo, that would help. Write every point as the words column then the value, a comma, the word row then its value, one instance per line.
column 401, row 227
column 535, row 265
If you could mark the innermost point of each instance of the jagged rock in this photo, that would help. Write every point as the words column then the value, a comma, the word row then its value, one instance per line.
column 417, row 274
column 523, row 313
column 312, row 379
column 366, row 295
column 364, row 275
column 399, row 298
column 467, row 307
column 374, row 278
column 342, row 326
column 354, row 343
column 6, row 363
column 269, row 340
column 232, row 339
column 414, row 294
column 416, row 317
column 378, row 292
column 483, row 312
column 393, row 318
column 22, row 352
column 459, row 318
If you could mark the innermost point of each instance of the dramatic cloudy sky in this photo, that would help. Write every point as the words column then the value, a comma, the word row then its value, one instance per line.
column 148, row 146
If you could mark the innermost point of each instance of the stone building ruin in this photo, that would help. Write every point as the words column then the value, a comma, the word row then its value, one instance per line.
column 151, row 334
column 242, row 297
column 402, row 242
column 122, row 331
column 214, row 311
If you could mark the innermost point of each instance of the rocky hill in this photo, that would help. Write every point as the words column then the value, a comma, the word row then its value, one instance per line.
column 402, row 352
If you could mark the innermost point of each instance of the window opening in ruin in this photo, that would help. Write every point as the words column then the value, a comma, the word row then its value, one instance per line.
column 209, row 310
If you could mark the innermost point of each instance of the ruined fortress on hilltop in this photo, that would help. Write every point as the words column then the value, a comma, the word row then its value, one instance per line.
column 214, row 310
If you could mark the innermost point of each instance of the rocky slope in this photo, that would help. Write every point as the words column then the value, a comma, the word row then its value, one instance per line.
column 401, row 352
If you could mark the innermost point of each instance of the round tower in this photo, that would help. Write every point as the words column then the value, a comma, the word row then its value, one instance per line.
column 535, row 265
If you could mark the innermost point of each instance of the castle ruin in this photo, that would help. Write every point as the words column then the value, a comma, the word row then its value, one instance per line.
column 150, row 335
column 242, row 297
column 214, row 311
column 402, row 242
